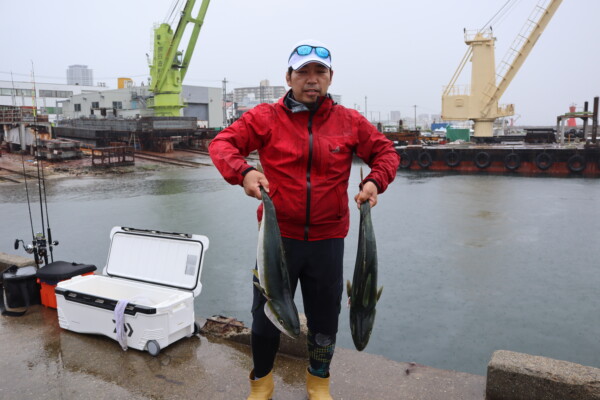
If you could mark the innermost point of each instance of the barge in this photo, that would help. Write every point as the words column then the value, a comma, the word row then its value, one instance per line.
column 147, row 131
column 523, row 158
column 540, row 151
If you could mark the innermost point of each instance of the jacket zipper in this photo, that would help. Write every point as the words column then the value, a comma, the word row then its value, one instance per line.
column 308, row 168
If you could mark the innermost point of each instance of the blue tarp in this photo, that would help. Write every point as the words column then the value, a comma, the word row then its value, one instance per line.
column 438, row 125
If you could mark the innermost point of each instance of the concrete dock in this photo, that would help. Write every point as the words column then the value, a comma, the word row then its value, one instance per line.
column 39, row 360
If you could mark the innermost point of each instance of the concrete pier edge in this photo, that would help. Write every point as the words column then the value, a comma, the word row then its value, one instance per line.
column 519, row 376
column 355, row 375
column 7, row 260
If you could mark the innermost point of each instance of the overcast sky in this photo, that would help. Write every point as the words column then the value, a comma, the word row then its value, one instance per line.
column 398, row 53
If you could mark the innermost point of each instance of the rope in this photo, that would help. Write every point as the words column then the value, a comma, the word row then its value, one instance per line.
column 500, row 14
column 176, row 6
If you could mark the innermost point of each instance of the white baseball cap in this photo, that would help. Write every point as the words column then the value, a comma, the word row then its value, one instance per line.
column 307, row 51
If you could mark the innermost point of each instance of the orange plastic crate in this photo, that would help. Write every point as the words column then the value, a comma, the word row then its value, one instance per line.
column 47, row 293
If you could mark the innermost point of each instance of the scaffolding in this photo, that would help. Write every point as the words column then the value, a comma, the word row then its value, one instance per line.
column 20, row 115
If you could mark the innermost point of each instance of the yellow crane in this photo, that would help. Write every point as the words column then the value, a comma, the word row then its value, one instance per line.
column 479, row 102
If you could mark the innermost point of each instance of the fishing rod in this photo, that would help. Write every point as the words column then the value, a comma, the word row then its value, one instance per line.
column 43, row 178
column 40, row 244
column 28, row 248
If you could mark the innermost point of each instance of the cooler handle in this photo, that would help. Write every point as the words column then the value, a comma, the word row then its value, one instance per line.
column 101, row 302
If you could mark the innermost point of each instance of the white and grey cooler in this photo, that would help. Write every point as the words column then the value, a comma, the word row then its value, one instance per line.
column 156, row 273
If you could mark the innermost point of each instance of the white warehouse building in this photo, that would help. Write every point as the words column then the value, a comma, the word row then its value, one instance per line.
column 48, row 96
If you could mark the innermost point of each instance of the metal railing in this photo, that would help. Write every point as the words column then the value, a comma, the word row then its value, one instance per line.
column 457, row 90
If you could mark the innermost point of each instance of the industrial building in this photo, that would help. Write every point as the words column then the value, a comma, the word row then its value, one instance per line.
column 203, row 103
column 88, row 113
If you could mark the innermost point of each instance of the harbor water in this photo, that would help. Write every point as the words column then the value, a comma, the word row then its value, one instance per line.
column 469, row 263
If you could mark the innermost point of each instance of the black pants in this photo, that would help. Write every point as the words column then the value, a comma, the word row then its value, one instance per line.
column 318, row 266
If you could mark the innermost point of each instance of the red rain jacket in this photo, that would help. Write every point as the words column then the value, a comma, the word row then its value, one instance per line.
column 306, row 156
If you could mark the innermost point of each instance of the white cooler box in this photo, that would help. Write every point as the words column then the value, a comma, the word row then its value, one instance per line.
column 158, row 273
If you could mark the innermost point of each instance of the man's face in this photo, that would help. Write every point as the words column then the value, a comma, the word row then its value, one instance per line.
column 309, row 82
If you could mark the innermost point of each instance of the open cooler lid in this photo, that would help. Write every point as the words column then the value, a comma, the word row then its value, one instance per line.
column 165, row 258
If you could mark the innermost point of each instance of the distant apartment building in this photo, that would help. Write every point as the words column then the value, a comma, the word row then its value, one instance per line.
column 424, row 120
column 436, row 118
column 264, row 93
column 80, row 75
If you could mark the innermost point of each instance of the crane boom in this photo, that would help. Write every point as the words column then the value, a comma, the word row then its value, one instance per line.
column 480, row 103
column 198, row 22
column 522, row 46
column 168, row 68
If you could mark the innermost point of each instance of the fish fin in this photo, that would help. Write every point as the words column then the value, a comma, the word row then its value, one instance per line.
column 255, row 273
column 379, row 293
column 262, row 290
column 348, row 288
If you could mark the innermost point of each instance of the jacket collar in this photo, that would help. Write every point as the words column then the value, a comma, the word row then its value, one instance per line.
column 289, row 102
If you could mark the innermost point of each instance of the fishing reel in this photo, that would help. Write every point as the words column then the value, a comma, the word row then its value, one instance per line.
column 27, row 247
column 39, row 247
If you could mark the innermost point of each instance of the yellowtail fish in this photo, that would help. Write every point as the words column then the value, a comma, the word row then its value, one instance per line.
column 363, row 294
column 272, row 273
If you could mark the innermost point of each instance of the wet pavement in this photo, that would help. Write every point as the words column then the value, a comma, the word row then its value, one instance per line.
column 39, row 360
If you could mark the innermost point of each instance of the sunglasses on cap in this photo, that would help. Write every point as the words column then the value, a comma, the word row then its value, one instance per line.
column 305, row 50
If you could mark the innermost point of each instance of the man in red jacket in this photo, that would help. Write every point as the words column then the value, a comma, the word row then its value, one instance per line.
column 306, row 143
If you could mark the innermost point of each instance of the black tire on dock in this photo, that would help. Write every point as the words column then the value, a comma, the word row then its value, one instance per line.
column 512, row 161
column 576, row 163
column 543, row 161
column 452, row 158
column 405, row 160
column 482, row 159
column 424, row 159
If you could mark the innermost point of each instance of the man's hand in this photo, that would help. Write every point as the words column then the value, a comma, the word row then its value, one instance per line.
column 252, row 183
column 368, row 193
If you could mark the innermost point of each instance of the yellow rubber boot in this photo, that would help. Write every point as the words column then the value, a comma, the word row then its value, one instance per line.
column 317, row 387
column 262, row 388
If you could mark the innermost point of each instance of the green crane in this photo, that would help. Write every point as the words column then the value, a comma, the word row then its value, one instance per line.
column 169, row 65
